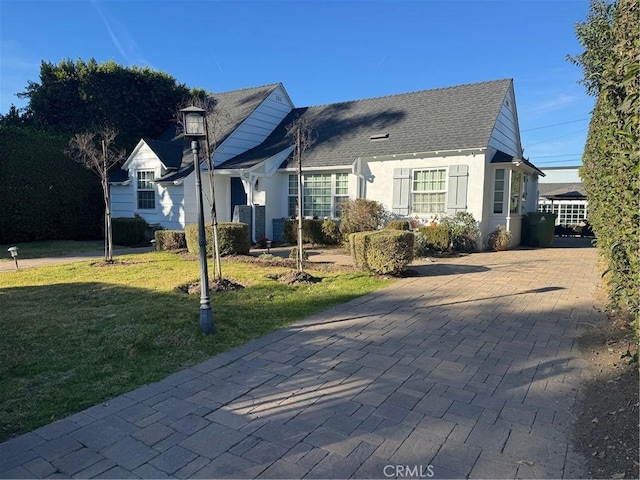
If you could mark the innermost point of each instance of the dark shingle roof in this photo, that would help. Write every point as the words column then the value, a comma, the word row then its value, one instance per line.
column 430, row 120
column 237, row 105
column 559, row 191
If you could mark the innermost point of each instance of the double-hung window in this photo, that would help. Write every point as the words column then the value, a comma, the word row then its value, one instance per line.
column 428, row 191
column 145, row 190
column 322, row 194
column 498, row 191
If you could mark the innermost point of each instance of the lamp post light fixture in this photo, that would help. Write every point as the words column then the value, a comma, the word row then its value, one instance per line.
column 14, row 253
column 194, row 128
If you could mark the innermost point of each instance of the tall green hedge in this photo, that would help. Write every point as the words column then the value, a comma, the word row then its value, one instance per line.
column 611, row 161
column 44, row 194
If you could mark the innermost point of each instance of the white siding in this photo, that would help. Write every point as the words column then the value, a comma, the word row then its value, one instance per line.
column 506, row 133
column 381, row 187
column 257, row 127
column 561, row 175
column 223, row 196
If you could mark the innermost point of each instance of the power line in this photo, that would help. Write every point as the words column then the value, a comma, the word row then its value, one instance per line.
column 555, row 138
column 552, row 156
column 554, row 125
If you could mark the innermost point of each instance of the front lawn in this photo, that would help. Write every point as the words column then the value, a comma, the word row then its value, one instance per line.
column 75, row 335
column 51, row 248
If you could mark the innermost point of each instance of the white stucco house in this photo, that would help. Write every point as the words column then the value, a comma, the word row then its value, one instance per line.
column 421, row 154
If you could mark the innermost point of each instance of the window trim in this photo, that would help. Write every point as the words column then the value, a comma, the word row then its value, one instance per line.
column 150, row 189
column 436, row 192
column 495, row 190
column 292, row 192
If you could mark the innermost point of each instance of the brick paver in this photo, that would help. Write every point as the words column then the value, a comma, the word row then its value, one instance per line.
column 469, row 367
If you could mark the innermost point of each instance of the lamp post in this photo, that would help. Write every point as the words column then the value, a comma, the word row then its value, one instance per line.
column 194, row 128
column 14, row 253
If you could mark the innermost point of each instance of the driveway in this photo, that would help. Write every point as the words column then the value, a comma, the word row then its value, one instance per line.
column 468, row 367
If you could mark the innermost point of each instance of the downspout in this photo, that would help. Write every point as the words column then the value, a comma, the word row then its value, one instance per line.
column 248, row 181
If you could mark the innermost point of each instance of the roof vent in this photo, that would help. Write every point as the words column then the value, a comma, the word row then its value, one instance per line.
column 380, row 136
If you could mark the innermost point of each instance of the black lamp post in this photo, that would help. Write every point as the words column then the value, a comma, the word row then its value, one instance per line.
column 193, row 121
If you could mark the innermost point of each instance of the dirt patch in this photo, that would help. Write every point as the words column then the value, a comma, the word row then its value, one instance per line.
column 112, row 263
column 222, row 285
column 606, row 431
column 295, row 278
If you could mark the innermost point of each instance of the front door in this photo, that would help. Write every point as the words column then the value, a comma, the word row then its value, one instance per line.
column 238, row 195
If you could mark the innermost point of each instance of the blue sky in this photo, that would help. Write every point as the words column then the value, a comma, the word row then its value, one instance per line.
column 324, row 51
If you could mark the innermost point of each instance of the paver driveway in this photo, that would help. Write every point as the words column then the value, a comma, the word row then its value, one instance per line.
column 467, row 368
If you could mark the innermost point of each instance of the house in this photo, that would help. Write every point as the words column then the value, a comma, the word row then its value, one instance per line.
column 563, row 193
column 423, row 154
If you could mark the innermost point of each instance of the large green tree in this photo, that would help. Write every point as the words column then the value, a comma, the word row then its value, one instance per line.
column 611, row 160
column 79, row 96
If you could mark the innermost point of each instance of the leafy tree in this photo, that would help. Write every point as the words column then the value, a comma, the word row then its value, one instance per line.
column 81, row 96
column 99, row 156
column 611, row 160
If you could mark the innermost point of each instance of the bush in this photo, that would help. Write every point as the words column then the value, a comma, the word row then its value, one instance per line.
column 499, row 239
column 362, row 215
column 170, row 240
column 433, row 238
column 313, row 231
column 464, row 231
column 233, row 238
column 382, row 252
column 331, row 232
column 398, row 225
column 129, row 231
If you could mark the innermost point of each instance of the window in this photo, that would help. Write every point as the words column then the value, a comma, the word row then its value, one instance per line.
column 146, row 191
column 498, row 191
column 323, row 194
column 428, row 191
column 568, row 214
column 516, row 192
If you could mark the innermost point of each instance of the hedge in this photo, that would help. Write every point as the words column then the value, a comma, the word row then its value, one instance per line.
column 314, row 231
column 398, row 225
column 45, row 195
column 128, row 231
column 436, row 237
column 170, row 240
column 382, row 252
column 233, row 238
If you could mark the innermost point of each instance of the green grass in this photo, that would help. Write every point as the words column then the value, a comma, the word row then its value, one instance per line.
column 50, row 248
column 75, row 335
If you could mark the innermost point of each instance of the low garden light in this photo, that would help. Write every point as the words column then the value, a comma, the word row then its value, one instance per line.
column 194, row 128
column 14, row 253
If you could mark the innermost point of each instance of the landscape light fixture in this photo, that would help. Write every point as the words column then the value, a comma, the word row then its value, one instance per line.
column 194, row 128
column 14, row 253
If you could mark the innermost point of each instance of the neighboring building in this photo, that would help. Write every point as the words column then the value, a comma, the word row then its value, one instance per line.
column 422, row 154
column 562, row 192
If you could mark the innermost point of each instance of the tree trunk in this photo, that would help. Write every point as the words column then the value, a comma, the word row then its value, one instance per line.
column 107, row 207
column 300, row 202
column 214, row 214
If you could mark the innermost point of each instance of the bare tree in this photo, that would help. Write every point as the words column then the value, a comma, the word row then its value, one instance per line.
column 96, row 152
column 215, row 120
column 301, row 132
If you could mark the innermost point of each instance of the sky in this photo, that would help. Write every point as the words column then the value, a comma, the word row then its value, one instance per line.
column 324, row 51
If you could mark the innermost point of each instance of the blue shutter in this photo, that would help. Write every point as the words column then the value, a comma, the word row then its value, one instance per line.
column 457, row 189
column 401, row 191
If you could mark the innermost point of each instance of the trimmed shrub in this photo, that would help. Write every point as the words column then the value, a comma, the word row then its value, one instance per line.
column 384, row 252
column 129, row 231
column 398, row 225
column 362, row 215
column 312, row 231
column 233, row 238
column 331, row 231
column 170, row 240
column 435, row 238
column 499, row 239
column 464, row 231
